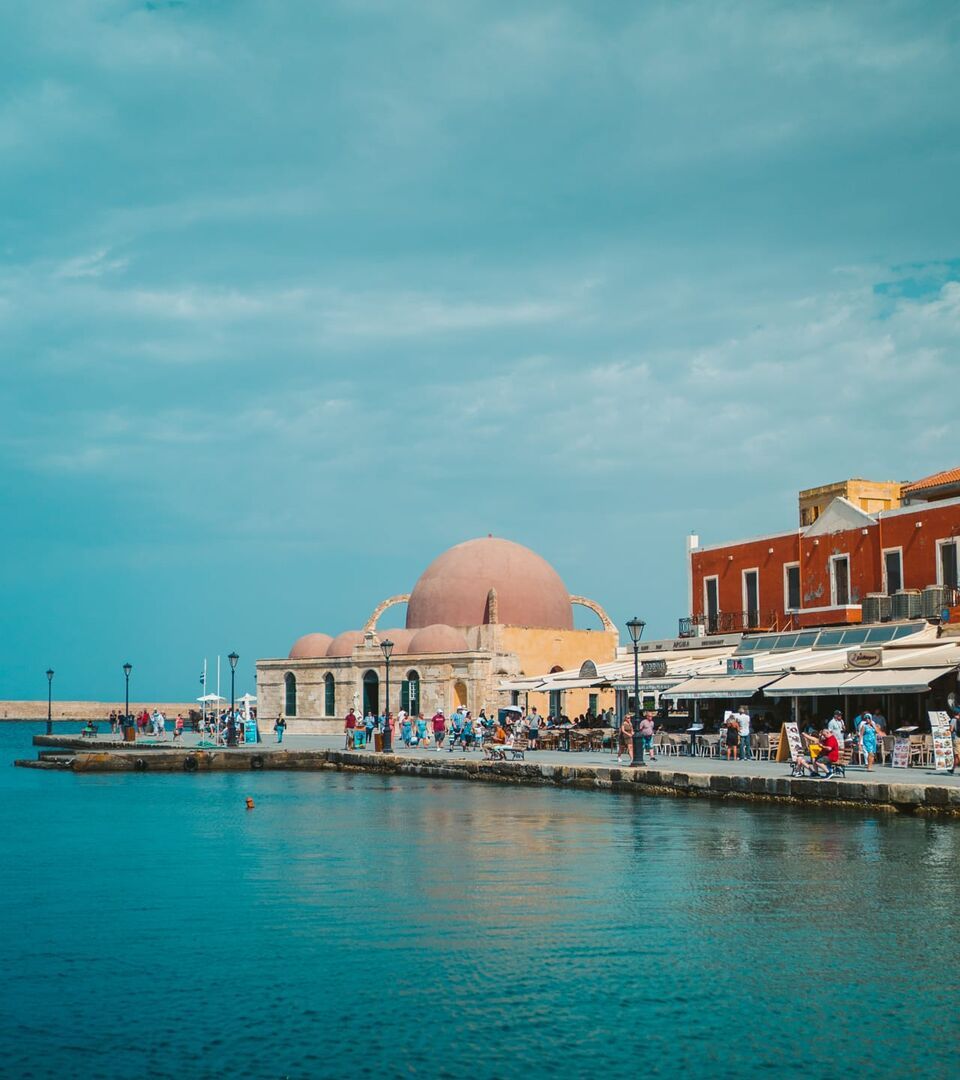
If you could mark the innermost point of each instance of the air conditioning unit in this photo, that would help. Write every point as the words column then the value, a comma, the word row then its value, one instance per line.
column 906, row 604
column 933, row 602
column 876, row 607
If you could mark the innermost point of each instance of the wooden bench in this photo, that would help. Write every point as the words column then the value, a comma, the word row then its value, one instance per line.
column 494, row 752
column 89, row 732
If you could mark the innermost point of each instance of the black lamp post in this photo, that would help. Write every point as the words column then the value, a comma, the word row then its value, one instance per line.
column 232, row 722
column 386, row 647
column 635, row 626
column 49, row 701
column 127, row 668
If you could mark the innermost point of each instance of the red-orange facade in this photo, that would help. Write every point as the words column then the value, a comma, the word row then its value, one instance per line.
column 811, row 577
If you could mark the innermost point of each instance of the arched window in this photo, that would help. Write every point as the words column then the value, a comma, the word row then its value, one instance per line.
column 410, row 693
column 329, row 698
column 290, row 694
column 371, row 693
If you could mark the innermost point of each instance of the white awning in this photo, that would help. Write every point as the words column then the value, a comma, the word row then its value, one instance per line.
column 739, row 687
column 890, row 681
column 811, row 684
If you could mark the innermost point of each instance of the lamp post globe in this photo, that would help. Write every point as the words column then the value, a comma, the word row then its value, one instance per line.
column 386, row 647
column 232, row 722
column 49, row 701
column 127, row 668
column 635, row 626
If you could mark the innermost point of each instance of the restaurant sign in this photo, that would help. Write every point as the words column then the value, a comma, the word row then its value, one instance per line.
column 739, row 665
column 865, row 658
column 653, row 669
column 943, row 760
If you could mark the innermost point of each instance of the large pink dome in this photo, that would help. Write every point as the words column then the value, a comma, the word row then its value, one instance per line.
column 438, row 639
column 342, row 644
column 310, row 647
column 453, row 590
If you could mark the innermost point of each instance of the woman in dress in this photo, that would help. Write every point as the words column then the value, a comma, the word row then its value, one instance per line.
column 733, row 737
column 868, row 740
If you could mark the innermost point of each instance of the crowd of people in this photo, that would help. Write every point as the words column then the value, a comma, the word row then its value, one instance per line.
column 461, row 730
column 213, row 725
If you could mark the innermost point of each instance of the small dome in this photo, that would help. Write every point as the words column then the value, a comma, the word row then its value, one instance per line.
column 310, row 647
column 400, row 638
column 455, row 589
column 342, row 644
column 438, row 639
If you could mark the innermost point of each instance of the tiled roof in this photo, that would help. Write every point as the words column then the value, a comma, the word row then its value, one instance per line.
column 940, row 479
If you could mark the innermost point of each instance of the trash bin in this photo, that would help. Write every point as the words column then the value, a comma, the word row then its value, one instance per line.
column 378, row 741
column 130, row 734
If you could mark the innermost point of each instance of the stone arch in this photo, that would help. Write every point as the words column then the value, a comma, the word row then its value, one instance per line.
column 459, row 694
column 371, row 623
column 289, row 694
column 583, row 601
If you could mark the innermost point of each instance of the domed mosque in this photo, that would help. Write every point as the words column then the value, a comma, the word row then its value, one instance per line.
column 482, row 612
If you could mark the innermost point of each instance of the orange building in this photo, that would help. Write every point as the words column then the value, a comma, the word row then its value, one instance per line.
column 847, row 566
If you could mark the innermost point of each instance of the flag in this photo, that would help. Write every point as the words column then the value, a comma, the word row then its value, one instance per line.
column 203, row 678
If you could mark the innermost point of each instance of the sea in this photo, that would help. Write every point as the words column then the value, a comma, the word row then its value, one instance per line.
column 361, row 925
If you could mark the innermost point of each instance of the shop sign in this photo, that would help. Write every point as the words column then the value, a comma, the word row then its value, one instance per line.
column 653, row 669
column 865, row 658
column 739, row 665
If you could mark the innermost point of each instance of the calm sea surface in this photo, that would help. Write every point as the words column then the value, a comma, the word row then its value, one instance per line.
column 354, row 925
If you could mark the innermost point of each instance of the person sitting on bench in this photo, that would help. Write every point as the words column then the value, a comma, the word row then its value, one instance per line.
column 828, row 754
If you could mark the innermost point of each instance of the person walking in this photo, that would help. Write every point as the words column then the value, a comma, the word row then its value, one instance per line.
column 835, row 727
column 279, row 726
column 369, row 723
column 439, row 729
column 625, row 744
column 178, row 729
column 646, row 730
column 349, row 727
column 867, row 734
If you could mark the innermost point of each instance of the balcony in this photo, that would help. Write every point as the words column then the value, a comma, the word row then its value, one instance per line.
column 733, row 622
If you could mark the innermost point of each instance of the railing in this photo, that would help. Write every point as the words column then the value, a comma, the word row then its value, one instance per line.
column 733, row 622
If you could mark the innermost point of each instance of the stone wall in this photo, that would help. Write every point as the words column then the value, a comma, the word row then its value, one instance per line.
column 87, row 710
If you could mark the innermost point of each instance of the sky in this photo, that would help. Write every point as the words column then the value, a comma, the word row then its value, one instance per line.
column 294, row 296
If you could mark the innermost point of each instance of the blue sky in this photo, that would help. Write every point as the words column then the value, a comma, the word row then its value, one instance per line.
column 295, row 295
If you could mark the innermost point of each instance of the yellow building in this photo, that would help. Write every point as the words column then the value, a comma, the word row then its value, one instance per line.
column 483, row 611
column 871, row 496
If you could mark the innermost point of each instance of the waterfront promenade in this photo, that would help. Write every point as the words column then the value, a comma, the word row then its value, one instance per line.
column 904, row 790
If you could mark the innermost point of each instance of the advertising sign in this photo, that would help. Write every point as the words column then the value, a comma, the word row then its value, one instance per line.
column 791, row 745
column 739, row 665
column 901, row 753
column 652, row 669
column 942, row 741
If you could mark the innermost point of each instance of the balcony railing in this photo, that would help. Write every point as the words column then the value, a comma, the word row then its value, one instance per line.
column 733, row 622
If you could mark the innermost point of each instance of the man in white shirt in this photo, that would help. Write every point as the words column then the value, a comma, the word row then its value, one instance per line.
column 835, row 727
column 743, row 722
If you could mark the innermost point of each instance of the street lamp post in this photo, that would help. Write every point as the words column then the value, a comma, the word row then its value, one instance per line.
column 386, row 647
column 49, row 701
column 635, row 626
column 127, row 668
column 232, row 722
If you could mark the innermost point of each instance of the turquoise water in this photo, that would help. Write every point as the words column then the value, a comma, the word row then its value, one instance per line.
column 359, row 925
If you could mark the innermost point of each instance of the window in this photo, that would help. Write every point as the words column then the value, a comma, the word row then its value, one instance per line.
column 840, row 580
column 329, row 695
column 711, row 602
column 290, row 694
column 410, row 693
column 892, row 570
column 594, row 704
column 791, row 587
column 947, row 563
column 751, row 599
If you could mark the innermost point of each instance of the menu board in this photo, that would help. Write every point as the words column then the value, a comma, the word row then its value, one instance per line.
column 791, row 745
column 942, row 741
column 901, row 753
